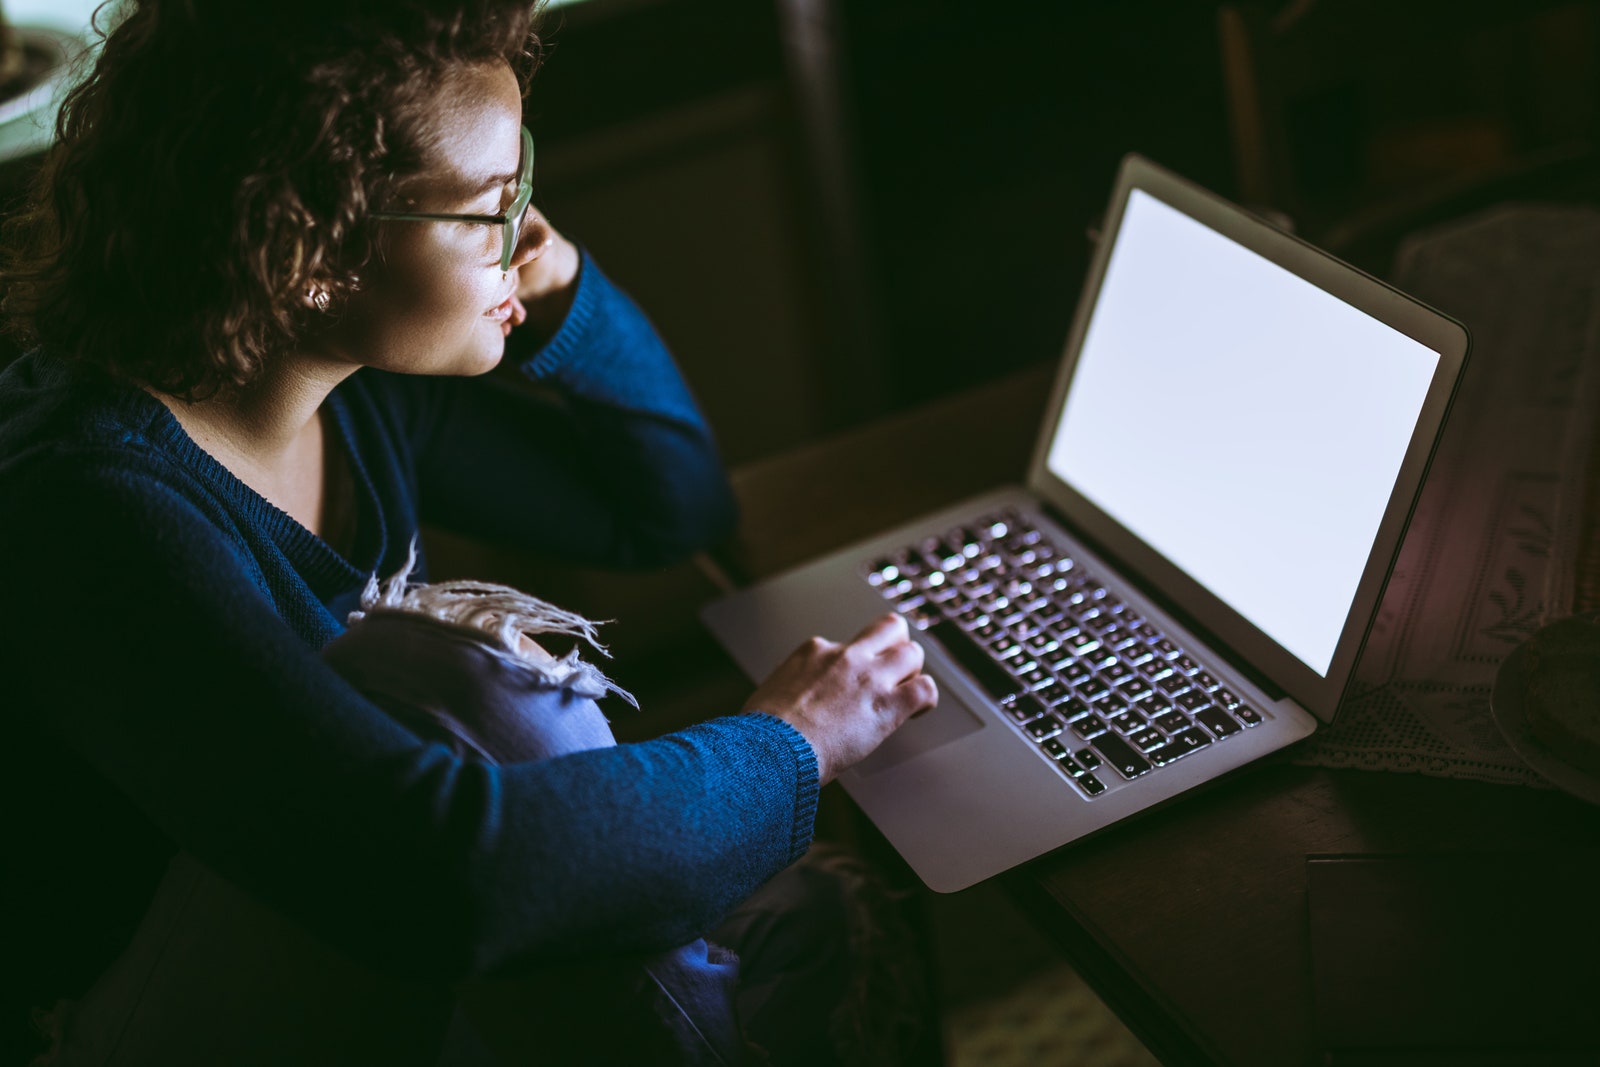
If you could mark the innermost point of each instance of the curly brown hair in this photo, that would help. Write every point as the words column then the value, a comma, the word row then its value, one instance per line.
column 219, row 162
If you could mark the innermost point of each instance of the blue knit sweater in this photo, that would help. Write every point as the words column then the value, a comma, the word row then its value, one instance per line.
column 159, row 644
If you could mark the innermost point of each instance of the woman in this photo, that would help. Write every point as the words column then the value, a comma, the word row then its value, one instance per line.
column 273, row 248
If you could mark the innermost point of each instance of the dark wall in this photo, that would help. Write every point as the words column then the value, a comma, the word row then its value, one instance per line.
column 988, row 138
column 982, row 141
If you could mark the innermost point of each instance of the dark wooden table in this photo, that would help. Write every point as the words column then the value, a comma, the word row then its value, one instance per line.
column 1191, row 921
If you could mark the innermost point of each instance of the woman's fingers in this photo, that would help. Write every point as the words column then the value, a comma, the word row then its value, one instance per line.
column 919, row 692
column 900, row 661
column 880, row 633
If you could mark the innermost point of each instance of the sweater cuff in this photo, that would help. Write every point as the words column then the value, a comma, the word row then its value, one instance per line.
column 571, row 337
column 806, row 788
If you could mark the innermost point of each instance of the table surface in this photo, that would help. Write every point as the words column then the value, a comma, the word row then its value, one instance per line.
column 1190, row 921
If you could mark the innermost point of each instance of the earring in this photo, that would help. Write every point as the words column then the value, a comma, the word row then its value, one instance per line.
column 318, row 297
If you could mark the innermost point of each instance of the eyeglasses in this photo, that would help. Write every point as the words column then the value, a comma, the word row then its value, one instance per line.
column 509, row 221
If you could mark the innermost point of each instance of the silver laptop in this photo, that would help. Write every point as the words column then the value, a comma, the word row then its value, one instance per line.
column 1237, row 434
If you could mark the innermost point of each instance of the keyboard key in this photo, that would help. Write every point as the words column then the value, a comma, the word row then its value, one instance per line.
column 1154, row 667
column 1193, row 700
column 1057, row 751
column 1048, row 726
column 1135, row 688
column 1147, row 739
column 1206, row 682
column 1053, row 692
column 1092, row 689
column 1100, row 658
column 1186, row 664
column 1097, row 622
column 1081, row 643
column 1112, row 703
column 1087, row 757
column 1117, row 639
column 1126, row 723
column 1186, row 741
column 1024, row 707
column 1156, row 703
column 1072, row 671
column 1172, row 683
column 910, row 603
column 1089, row 727
column 1217, row 721
column 1116, row 672
column 1137, row 653
column 1049, row 615
column 1164, row 646
column 1120, row 755
column 1171, row 722
column 1225, row 698
column 1091, row 785
column 1004, row 647
column 1248, row 715
column 885, row 570
column 1072, row 709
column 974, row 658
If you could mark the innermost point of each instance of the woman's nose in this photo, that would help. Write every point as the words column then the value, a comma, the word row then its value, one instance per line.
column 532, row 240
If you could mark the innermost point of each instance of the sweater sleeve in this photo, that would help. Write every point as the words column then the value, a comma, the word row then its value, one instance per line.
column 150, row 653
column 611, row 463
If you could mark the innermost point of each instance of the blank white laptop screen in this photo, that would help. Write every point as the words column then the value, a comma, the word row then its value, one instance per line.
column 1241, row 422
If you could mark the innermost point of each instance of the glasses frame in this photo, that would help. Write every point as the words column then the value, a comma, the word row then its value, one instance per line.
column 510, row 220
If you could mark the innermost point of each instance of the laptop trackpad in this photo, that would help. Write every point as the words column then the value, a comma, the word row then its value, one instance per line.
column 943, row 723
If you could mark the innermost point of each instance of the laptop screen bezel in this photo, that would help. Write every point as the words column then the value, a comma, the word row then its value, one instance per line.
column 1196, row 605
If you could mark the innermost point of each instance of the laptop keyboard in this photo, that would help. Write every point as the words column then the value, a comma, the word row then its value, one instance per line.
column 1098, row 688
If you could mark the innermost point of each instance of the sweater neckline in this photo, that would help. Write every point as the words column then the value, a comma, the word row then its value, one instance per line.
column 324, row 569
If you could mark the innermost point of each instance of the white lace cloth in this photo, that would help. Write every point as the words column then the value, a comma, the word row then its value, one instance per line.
column 1491, row 551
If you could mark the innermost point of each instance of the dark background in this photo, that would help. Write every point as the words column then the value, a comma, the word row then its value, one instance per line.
column 834, row 210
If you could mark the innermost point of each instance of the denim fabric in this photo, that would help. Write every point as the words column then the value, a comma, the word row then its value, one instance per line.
column 453, row 685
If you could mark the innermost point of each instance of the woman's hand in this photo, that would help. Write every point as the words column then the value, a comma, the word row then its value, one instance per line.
column 845, row 699
column 547, row 274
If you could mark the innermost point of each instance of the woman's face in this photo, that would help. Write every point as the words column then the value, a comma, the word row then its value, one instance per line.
column 434, row 300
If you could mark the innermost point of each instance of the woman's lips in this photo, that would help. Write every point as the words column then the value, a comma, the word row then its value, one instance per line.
column 508, row 313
